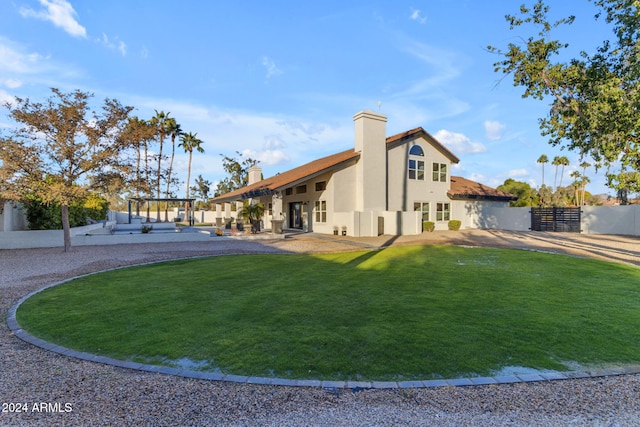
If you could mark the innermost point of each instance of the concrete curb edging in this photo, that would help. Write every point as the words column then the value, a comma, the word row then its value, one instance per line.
column 15, row 328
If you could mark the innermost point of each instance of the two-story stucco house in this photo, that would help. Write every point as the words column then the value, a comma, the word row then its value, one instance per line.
column 384, row 185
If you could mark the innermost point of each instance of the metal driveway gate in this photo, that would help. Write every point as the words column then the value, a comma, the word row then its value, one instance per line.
column 555, row 219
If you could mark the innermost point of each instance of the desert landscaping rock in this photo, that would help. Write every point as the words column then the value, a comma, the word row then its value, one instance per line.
column 41, row 388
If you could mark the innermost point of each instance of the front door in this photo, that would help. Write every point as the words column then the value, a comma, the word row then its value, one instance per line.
column 295, row 215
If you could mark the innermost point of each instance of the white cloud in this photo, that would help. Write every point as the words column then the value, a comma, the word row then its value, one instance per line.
column 442, row 64
column 12, row 60
column 271, row 67
column 267, row 157
column 517, row 173
column 478, row 177
column 60, row 13
column 19, row 67
column 493, row 130
column 416, row 15
column 5, row 98
column 11, row 83
column 459, row 143
column 118, row 45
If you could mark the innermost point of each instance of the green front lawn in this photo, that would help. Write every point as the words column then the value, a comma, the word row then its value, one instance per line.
column 401, row 313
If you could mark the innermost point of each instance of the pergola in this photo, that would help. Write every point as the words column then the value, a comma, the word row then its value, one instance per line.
column 139, row 200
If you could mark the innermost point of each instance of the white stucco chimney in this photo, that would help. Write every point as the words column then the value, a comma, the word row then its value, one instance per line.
column 254, row 174
column 371, row 170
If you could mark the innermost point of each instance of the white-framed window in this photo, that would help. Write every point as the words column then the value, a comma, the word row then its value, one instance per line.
column 422, row 207
column 416, row 163
column 321, row 211
column 443, row 211
column 440, row 172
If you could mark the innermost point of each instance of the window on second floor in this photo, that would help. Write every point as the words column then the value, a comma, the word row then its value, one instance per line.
column 440, row 172
column 416, row 163
column 416, row 150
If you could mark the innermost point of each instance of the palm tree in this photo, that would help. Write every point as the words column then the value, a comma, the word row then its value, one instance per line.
column 585, row 181
column 159, row 122
column 563, row 162
column 542, row 160
column 175, row 131
column 190, row 142
column 584, row 166
column 556, row 162
column 252, row 213
column 576, row 186
column 139, row 132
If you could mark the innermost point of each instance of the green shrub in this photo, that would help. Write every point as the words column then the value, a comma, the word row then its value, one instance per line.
column 95, row 207
column 47, row 216
column 455, row 224
column 428, row 226
column 145, row 229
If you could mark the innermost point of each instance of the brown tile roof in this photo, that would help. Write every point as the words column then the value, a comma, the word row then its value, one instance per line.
column 426, row 135
column 462, row 188
column 269, row 185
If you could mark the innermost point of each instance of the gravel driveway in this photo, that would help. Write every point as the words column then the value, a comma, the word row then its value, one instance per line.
column 50, row 389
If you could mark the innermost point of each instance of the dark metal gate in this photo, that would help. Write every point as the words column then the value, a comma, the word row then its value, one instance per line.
column 555, row 219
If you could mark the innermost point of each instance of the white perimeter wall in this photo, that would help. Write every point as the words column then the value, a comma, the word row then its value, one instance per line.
column 12, row 218
column 622, row 220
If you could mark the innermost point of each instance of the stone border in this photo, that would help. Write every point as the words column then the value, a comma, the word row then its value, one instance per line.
column 15, row 328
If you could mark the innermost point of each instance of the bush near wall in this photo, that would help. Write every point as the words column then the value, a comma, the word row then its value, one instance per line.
column 454, row 224
column 41, row 216
column 428, row 226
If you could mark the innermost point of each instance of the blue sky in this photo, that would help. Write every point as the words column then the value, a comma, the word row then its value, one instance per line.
column 280, row 81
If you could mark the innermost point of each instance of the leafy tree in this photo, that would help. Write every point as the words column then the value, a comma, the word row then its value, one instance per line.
column 545, row 196
column 201, row 190
column 585, row 92
column 238, row 173
column 57, row 146
column 190, row 142
column 527, row 196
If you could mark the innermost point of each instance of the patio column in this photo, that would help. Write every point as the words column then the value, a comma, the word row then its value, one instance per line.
column 277, row 219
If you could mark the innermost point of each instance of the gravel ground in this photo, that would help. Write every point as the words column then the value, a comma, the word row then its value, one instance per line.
column 51, row 389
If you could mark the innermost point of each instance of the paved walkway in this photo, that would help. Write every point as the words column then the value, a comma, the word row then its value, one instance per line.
column 613, row 248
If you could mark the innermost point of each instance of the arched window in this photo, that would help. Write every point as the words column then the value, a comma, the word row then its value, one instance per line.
column 416, row 150
column 416, row 166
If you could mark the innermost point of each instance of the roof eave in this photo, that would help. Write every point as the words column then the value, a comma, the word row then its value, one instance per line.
column 487, row 197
